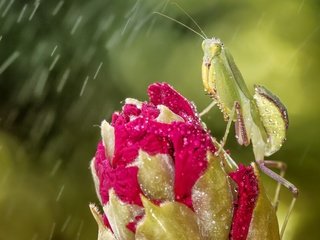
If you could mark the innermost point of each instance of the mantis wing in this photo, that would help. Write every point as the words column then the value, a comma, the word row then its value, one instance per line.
column 237, row 75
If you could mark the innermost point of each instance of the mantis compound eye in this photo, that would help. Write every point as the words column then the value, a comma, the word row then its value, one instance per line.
column 215, row 49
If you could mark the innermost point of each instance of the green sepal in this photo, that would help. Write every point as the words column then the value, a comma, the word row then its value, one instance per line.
column 167, row 116
column 103, row 232
column 169, row 221
column 264, row 224
column 156, row 176
column 213, row 201
column 119, row 215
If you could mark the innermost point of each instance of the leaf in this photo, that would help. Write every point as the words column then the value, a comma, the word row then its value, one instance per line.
column 169, row 221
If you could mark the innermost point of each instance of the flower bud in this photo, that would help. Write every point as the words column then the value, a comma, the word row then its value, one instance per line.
column 157, row 176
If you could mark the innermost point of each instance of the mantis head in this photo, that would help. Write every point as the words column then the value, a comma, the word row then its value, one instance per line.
column 211, row 48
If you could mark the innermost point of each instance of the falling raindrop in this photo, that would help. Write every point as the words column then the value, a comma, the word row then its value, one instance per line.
column 305, row 153
column 125, row 26
column 75, row 26
column 113, row 40
column 36, row 5
column 235, row 34
column 60, row 193
column 98, row 69
column 2, row 3
column 56, row 168
column 52, row 231
column 24, row 8
column 63, row 80
column 104, row 25
column 66, row 223
column 303, row 43
column 55, row 60
column 9, row 61
column 84, row 85
column 7, row 8
column 80, row 229
column 41, row 82
column 165, row 4
column 57, row 8
column 54, row 49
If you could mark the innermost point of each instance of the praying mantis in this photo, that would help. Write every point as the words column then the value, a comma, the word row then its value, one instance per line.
column 259, row 118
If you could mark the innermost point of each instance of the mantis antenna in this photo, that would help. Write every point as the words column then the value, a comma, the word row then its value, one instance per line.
column 191, row 18
column 182, row 24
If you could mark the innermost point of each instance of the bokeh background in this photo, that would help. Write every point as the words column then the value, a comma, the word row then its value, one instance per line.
column 67, row 65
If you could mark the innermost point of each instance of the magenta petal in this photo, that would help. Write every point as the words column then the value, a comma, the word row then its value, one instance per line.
column 247, row 196
column 127, row 138
column 149, row 111
column 154, row 144
column 163, row 93
column 131, row 110
column 101, row 162
column 140, row 133
column 133, row 225
column 106, row 221
column 191, row 145
column 122, row 179
column 118, row 119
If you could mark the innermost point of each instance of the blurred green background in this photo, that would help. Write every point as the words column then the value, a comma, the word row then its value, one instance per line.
column 66, row 65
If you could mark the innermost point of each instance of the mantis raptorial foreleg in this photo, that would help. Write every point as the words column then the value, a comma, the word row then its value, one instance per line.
column 292, row 188
column 208, row 108
column 282, row 167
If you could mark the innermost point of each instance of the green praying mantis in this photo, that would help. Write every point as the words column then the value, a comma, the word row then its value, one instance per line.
column 259, row 118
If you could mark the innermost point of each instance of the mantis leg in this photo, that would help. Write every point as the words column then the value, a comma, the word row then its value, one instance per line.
column 226, row 133
column 282, row 167
column 228, row 159
column 292, row 188
column 208, row 108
